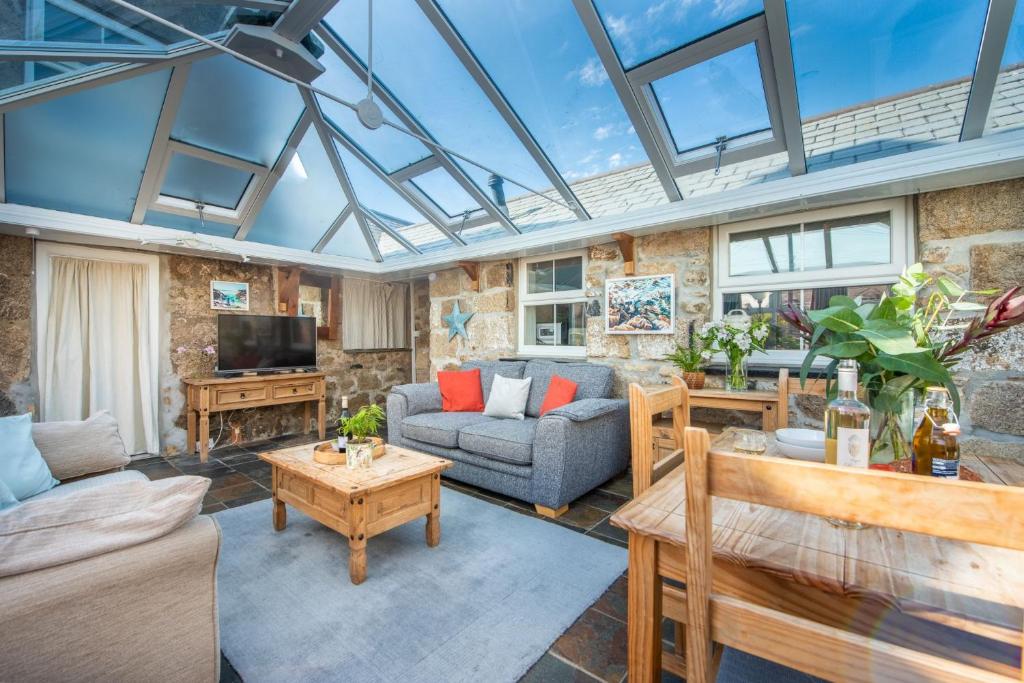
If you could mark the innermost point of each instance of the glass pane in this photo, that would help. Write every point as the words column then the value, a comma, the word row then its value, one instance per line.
column 349, row 241
column 766, row 305
column 646, row 29
column 541, row 58
column 555, row 325
column 430, row 81
column 84, row 152
column 1007, row 109
column 173, row 220
column 389, row 147
column 204, row 181
column 723, row 96
column 569, row 274
column 855, row 241
column 540, row 277
column 233, row 108
column 445, row 192
column 375, row 195
column 882, row 78
column 304, row 203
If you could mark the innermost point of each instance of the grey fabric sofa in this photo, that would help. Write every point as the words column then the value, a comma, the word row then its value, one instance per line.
column 548, row 461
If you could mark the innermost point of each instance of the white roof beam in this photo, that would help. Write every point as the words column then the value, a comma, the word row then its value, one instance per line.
column 152, row 175
column 785, row 81
column 416, row 168
column 301, row 16
column 457, row 45
column 986, row 70
column 38, row 50
column 410, row 122
column 100, row 19
column 610, row 60
column 391, row 232
column 333, row 230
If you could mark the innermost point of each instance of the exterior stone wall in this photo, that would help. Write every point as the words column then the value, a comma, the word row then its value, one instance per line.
column 976, row 236
column 189, row 325
column 421, row 328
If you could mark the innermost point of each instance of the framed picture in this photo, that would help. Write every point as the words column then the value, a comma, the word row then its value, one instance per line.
column 640, row 305
column 229, row 296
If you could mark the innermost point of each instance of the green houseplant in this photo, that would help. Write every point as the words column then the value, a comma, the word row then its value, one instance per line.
column 359, row 428
column 905, row 342
column 692, row 358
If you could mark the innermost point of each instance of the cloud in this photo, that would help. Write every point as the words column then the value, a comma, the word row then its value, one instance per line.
column 730, row 7
column 618, row 27
column 592, row 73
column 615, row 160
column 602, row 132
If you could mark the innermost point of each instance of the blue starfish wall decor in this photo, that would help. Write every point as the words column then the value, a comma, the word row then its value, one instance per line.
column 456, row 321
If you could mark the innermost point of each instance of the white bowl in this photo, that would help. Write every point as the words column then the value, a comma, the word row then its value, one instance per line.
column 806, row 438
column 802, row 453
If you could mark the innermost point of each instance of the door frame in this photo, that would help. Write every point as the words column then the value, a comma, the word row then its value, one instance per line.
column 45, row 251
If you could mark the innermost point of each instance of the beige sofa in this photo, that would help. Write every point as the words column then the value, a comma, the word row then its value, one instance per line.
column 146, row 612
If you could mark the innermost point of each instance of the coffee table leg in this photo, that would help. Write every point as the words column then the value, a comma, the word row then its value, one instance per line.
column 357, row 541
column 280, row 515
column 434, row 516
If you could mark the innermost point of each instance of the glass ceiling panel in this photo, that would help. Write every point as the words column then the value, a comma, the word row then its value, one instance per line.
column 84, row 152
column 1007, row 110
column 349, row 241
column 413, row 60
column 305, row 201
column 723, row 96
column 233, row 108
column 875, row 79
column 390, row 148
column 375, row 195
column 641, row 30
column 445, row 192
column 173, row 220
column 14, row 75
column 541, row 58
column 204, row 181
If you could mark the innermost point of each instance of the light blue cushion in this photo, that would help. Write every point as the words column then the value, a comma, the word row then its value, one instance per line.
column 7, row 498
column 22, row 467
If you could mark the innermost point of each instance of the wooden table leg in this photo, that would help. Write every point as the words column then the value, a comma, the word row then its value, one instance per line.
column 434, row 516
column 321, row 418
column 305, row 417
column 769, row 415
column 204, row 437
column 357, row 541
column 191, row 420
column 280, row 515
column 644, row 609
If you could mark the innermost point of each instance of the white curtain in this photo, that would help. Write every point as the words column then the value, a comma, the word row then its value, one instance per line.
column 374, row 315
column 97, row 348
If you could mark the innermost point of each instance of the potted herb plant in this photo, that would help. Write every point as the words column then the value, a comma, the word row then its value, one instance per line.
column 904, row 343
column 692, row 358
column 359, row 428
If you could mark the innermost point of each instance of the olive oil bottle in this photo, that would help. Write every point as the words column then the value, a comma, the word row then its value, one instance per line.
column 847, row 423
column 936, row 450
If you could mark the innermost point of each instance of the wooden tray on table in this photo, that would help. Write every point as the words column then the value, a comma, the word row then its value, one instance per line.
column 325, row 453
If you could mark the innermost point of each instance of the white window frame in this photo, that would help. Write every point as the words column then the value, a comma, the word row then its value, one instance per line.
column 902, row 251
column 564, row 297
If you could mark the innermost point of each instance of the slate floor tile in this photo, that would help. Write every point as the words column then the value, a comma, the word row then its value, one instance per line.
column 551, row 669
column 596, row 643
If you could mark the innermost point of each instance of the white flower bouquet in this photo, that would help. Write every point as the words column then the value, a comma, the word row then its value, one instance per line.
column 737, row 339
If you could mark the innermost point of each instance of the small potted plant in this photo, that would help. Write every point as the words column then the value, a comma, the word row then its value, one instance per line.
column 692, row 359
column 359, row 428
column 737, row 335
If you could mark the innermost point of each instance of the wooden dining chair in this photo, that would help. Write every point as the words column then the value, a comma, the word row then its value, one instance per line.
column 957, row 510
column 649, row 462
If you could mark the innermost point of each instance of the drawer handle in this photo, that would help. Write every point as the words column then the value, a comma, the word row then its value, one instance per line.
column 242, row 395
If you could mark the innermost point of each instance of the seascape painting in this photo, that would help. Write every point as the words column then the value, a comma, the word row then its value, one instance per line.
column 640, row 305
column 229, row 296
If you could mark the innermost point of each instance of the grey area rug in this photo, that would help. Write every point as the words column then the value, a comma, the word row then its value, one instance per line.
column 482, row 606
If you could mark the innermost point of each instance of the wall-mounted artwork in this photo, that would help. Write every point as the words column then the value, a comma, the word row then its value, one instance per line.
column 640, row 305
column 229, row 296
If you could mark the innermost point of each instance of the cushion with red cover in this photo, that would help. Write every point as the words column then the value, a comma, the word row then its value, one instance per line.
column 560, row 392
column 461, row 391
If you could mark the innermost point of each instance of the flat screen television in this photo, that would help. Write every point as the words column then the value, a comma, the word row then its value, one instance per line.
column 264, row 343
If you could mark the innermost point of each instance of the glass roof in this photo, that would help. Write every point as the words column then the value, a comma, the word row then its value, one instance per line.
column 536, row 115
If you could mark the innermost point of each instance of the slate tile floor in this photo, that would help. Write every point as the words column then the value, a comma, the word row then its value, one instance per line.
column 592, row 649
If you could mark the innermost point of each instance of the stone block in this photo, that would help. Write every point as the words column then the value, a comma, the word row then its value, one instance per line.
column 498, row 301
column 490, row 336
column 601, row 345
column 980, row 446
column 661, row 267
column 497, row 274
column 971, row 210
column 605, row 252
column 693, row 241
column 997, row 266
column 15, row 361
column 1002, row 352
column 934, row 255
column 998, row 406
column 447, row 283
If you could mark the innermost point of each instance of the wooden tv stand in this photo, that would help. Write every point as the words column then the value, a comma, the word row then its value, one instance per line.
column 207, row 395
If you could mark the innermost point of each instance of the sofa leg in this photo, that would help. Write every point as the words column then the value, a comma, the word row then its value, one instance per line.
column 551, row 512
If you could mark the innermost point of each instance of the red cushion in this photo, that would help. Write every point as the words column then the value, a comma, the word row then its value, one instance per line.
column 461, row 390
column 560, row 392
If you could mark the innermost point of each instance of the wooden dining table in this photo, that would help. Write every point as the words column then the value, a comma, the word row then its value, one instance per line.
column 958, row 600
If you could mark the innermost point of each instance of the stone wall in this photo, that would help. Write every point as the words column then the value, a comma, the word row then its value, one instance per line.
column 976, row 236
column 421, row 328
column 189, row 325
column 17, row 390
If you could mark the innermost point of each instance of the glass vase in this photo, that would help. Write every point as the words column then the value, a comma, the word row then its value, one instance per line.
column 891, row 434
column 736, row 374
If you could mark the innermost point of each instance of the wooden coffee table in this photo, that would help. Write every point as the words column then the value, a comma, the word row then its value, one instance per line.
column 401, row 486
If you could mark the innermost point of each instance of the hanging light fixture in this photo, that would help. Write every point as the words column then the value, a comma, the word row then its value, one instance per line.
column 367, row 110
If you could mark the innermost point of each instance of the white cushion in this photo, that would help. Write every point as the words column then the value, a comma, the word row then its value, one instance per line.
column 508, row 397
column 93, row 521
column 80, row 447
column 90, row 483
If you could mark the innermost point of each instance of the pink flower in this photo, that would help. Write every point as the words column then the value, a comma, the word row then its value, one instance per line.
column 180, row 349
column 209, row 350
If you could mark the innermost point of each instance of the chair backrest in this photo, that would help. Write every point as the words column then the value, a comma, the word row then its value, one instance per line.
column 644, row 406
column 958, row 510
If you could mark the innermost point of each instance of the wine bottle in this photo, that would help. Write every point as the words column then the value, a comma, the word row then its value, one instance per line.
column 345, row 415
column 847, row 420
column 936, row 451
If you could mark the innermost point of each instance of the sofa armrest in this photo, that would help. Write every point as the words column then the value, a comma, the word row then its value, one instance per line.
column 577, row 448
column 419, row 398
column 94, row 618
